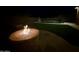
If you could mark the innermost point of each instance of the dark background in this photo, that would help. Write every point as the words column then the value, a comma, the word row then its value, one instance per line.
column 42, row 11
column 10, row 16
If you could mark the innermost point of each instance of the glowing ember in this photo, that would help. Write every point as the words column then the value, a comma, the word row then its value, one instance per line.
column 24, row 34
column 77, row 8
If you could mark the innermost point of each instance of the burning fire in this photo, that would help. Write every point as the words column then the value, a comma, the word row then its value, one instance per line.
column 24, row 34
column 26, row 30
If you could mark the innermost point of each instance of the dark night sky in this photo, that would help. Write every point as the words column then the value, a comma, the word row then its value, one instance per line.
column 43, row 11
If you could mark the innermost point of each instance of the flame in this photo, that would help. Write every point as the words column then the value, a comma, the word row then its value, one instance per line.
column 26, row 30
column 25, row 27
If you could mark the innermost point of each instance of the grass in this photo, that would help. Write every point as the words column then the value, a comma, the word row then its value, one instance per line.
column 67, row 32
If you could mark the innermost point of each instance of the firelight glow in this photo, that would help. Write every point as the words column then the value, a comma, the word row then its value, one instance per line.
column 24, row 34
column 26, row 30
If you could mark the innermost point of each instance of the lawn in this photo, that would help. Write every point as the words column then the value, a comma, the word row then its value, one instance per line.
column 69, row 33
